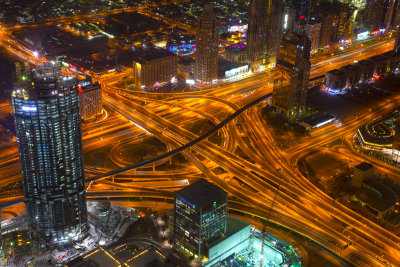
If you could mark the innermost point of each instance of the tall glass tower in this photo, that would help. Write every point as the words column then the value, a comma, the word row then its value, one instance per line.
column 48, row 129
column 264, row 31
column 293, row 65
column 207, row 40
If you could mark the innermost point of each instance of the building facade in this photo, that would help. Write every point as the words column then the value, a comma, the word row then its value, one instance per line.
column 362, row 71
column 396, row 136
column 200, row 214
column 293, row 65
column 90, row 100
column 396, row 47
column 207, row 40
column 326, row 30
column 301, row 9
column 236, row 53
column 153, row 67
column 264, row 31
column 378, row 14
column 186, row 68
column 313, row 31
column 345, row 23
column 48, row 130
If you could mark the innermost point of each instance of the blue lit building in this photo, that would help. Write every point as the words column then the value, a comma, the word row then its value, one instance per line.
column 48, row 129
column 183, row 45
column 200, row 216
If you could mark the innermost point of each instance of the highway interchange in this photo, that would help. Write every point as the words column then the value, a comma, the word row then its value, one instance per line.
column 266, row 185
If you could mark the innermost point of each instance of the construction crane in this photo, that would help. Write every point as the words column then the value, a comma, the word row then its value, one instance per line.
column 268, row 216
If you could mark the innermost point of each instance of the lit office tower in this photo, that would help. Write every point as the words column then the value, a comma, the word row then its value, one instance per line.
column 207, row 39
column 264, row 31
column 301, row 9
column 200, row 215
column 378, row 14
column 293, row 65
column 48, row 129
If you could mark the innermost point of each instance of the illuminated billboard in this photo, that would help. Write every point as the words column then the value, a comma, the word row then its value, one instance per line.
column 363, row 35
column 236, row 71
column 182, row 49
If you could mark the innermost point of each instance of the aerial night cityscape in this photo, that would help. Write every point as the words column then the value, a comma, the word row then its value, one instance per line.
column 232, row 133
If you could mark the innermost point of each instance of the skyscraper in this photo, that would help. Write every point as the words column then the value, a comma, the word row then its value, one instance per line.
column 345, row 23
column 378, row 14
column 396, row 47
column 326, row 30
column 396, row 140
column 264, row 31
column 199, row 216
column 293, row 65
column 48, row 129
column 301, row 10
column 207, row 40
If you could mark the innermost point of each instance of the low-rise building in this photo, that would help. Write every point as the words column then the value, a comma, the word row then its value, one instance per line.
column 316, row 120
column 376, row 197
column 236, row 53
column 362, row 71
column 335, row 80
column 152, row 67
column 90, row 103
column 361, row 172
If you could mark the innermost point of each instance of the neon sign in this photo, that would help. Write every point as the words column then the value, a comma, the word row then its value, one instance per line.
column 29, row 108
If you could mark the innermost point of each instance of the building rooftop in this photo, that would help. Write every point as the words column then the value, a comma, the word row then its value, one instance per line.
column 146, row 55
column 186, row 61
column 202, row 193
column 147, row 257
column 363, row 63
column 292, row 38
column 364, row 166
column 336, row 72
column 376, row 195
column 208, row 14
column 225, row 65
column 348, row 68
column 233, row 225
column 96, row 258
column 318, row 119
column 102, row 257
column 86, row 86
column 236, row 47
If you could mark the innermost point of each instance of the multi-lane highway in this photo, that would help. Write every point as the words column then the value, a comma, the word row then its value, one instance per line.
column 264, row 184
